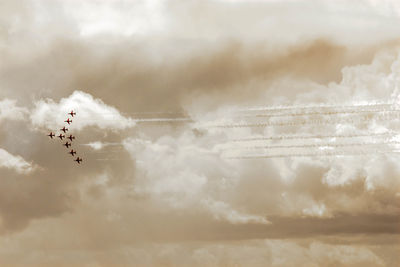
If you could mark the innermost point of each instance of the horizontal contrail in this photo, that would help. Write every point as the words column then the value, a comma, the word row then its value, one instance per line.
column 285, row 108
column 326, row 154
column 139, row 120
column 287, row 137
column 97, row 145
column 320, row 113
column 309, row 122
column 163, row 120
column 144, row 113
column 316, row 145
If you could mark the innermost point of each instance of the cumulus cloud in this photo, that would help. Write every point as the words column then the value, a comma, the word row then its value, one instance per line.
column 90, row 112
column 10, row 111
column 17, row 163
column 315, row 83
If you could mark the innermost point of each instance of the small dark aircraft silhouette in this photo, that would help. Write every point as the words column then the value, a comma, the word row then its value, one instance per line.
column 51, row 135
column 72, row 152
column 70, row 137
column 64, row 129
column 61, row 136
column 68, row 121
column 67, row 144
column 72, row 113
column 78, row 160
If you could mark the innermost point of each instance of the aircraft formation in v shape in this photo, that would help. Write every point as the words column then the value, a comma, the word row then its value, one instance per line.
column 70, row 137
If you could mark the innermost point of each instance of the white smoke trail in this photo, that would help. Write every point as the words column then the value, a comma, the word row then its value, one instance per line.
column 163, row 120
column 324, row 154
column 99, row 145
column 320, row 145
column 312, row 122
column 301, row 137
column 342, row 112
column 143, row 120
column 326, row 106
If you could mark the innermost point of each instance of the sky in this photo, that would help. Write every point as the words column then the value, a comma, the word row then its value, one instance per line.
column 212, row 132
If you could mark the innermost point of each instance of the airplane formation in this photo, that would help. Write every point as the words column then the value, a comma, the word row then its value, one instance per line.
column 70, row 137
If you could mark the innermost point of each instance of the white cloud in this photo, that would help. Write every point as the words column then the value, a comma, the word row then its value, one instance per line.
column 117, row 17
column 89, row 112
column 9, row 110
column 17, row 163
column 222, row 211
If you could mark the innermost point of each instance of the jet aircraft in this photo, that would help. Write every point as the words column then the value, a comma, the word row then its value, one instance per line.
column 61, row 136
column 51, row 135
column 64, row 129
column 68, row 121
column 67, row 144
column 72, row 113
column 72, row 152
column 78, row 160
column 71, row 137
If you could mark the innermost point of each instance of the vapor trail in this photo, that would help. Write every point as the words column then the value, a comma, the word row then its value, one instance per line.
column 284, row 108
column 140, row 120
column 163, row 120
column 316, row 145
column 300, row 137
column 321, row 113
column 310, row 122
column 325, row 154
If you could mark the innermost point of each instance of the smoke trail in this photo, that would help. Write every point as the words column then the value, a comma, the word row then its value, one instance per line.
column 142, row 120
column 343, row 112
column 305, row 107
column 163, row 120
column 99, row 145
column 147, row 113
column 325, row 154
column 300, row 137
column 311, row 122
column 316, row 145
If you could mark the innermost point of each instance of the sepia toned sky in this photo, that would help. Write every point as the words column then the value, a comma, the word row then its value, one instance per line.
column 212, row 132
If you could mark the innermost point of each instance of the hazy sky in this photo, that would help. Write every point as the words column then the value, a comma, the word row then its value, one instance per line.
column 212, row 132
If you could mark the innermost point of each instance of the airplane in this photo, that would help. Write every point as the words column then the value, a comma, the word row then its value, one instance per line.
column 61, row 136
column 72, row 113
column 70, row 137
column 72, row 152
column 64, row 129
column 68, row 121
column 67, row 144
column 78, row 160
column 51, row 135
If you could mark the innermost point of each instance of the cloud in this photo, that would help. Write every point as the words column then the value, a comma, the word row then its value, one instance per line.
column 222, row 211
column 169, row 195
column 90, row 112
column 16, row 163
column 9, row 110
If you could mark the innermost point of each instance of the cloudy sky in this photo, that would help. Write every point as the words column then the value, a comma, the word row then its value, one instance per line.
column 212, row 132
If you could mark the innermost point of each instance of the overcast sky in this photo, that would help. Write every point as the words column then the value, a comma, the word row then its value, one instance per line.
column 212, row 132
